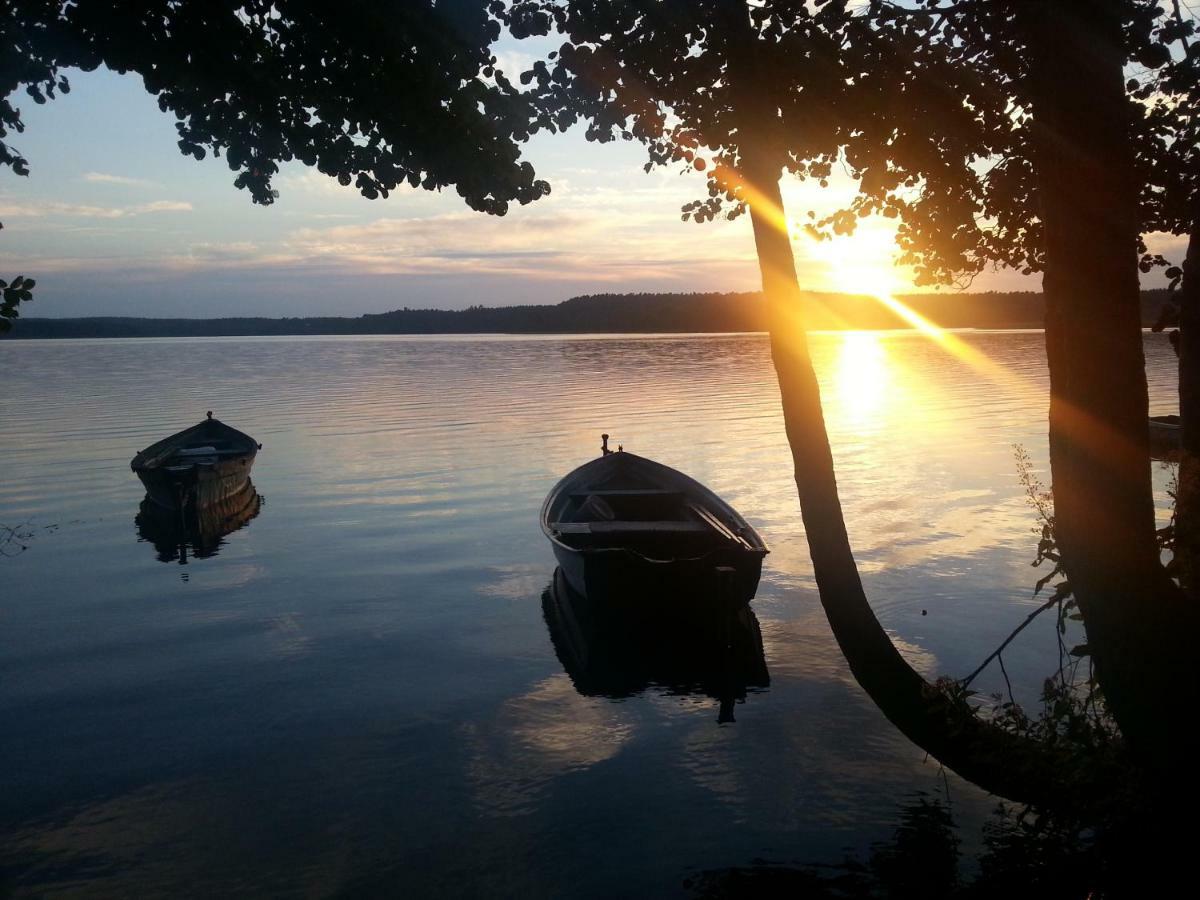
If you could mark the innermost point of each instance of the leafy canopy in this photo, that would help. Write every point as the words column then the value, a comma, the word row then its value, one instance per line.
column 374, row 93
column 927, row 106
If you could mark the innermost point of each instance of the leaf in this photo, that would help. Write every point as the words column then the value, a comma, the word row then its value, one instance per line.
column 1042, row 582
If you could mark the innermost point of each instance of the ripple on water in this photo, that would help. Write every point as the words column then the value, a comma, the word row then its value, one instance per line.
column 361, row 678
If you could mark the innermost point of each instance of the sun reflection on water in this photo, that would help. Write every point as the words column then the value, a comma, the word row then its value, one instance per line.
column 861, row 381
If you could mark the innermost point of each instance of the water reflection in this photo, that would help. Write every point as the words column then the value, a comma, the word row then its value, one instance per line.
column 617, row 654
column 364, row 683
column 863, row 379
column 920, row 860
column 1022, row 852
column 201, row 533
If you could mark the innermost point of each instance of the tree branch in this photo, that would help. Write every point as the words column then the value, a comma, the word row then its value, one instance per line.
column 1008, row 640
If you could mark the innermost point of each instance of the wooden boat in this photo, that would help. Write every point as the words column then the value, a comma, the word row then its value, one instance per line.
column 201, row 532
column 622, row 650
column 1166, row 437
column 627, row 527
column 197, row 467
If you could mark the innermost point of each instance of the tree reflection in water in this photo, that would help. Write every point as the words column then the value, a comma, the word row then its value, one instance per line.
column 1022, row 853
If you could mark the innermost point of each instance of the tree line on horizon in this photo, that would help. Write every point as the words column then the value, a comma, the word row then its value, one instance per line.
column 628, row 313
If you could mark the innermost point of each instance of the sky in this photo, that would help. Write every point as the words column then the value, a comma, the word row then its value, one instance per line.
column 114, row 220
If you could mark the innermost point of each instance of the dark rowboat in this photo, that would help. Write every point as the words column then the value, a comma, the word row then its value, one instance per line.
column 1166, row 437
column 198, row 467
column 626, row 528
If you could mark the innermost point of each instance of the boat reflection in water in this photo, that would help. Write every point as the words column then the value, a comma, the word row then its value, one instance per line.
column 175, row 533
column 618, row 651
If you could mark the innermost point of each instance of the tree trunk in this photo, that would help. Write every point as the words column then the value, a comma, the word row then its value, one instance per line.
column 1187, row 497
column 995, row 760
column 989, row 756
column 1189, row 338
column 1099, row 453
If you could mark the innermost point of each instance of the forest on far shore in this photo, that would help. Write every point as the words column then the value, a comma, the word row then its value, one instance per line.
column 598, row 313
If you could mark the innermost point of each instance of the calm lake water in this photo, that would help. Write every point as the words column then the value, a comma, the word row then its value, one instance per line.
column 357, row 693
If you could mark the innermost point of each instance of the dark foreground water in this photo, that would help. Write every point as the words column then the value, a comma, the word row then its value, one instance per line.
column 357, row 692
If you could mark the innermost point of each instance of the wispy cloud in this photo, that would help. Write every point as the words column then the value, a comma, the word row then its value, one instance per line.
column 310, row 181
column 39, row 210
column 236, row 251
column 161, row 206
column 125, row 180
column 1172, row 246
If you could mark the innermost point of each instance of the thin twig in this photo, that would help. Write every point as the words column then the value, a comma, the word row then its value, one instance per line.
column 1008, row 640
column 1007, row 683
column 1179, row 18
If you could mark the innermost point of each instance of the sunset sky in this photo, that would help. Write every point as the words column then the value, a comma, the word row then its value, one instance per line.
column 114, row 220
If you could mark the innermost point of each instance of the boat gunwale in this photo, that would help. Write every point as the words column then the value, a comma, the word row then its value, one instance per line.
column 154, row 457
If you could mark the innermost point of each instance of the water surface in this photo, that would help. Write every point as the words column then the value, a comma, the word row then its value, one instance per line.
column 357, row 692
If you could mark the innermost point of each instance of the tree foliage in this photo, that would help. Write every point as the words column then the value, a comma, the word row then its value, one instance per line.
column 673, row 76
column 375, row 94
column 945, row 143
column 927, row 108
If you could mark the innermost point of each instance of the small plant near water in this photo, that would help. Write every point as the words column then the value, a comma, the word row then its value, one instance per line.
column 1073, row 717
column 1073, row 721
column 1073, row 712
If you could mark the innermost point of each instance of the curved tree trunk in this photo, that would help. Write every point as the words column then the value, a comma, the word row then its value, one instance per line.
column 996, row 760
column 1137, row 623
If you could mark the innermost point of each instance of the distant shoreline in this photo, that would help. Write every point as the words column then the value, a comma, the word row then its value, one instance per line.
column 593, row 314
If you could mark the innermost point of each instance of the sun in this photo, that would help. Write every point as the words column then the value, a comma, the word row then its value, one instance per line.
column 858, row 264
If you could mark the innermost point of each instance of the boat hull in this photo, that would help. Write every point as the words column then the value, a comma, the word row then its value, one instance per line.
column 198, row 486
column 1166, row 438
column 623, row 577
column 198, row 467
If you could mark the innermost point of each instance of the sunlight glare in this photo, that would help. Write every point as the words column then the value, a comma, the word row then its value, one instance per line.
column 859, row 264
column 861, row 381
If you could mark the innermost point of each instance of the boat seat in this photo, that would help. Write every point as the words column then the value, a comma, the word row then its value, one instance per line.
column 208, row 451
column 632, row 492
column 633, row 528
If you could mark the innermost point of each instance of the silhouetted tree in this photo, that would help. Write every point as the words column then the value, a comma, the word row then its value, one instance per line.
column 1058, row 164
column 28, row 38
column 372, row 93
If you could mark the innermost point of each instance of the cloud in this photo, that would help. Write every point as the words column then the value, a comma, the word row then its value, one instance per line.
column 236, row 251
column 1172, row 246
column 161, row 206
column 39, row 210
column 106, row 178
column 603, row 234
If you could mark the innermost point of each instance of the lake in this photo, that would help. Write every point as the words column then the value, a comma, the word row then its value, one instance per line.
column 357, row 691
